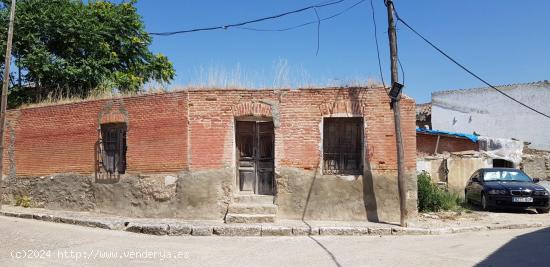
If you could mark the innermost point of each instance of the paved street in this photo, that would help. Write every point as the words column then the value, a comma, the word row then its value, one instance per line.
column 49, row 244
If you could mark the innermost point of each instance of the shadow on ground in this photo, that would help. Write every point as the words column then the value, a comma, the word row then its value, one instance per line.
column 532, row 249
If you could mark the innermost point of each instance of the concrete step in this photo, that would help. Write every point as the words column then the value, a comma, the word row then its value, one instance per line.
column 249, row 218
column 249, row 208
column 253, row 199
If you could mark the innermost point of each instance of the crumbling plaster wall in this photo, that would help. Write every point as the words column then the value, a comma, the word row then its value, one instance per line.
column 199, row 195
column 62, row 191
column 203, row 195
column 536, row 163
column 453, row 170
column 310, row 195
column 460, row 170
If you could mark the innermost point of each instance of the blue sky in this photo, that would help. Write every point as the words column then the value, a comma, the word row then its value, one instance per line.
column 504, row 41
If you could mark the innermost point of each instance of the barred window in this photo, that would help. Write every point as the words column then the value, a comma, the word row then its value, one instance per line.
column 113, row 138
column 342, row 146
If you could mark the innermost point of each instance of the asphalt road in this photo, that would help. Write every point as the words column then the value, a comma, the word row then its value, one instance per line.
column 36, row 243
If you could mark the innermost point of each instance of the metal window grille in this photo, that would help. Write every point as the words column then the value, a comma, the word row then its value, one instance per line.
column 111, row 151
column 342, row 146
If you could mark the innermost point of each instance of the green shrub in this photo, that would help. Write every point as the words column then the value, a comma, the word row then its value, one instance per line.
column 432, row 198
column 23, row 201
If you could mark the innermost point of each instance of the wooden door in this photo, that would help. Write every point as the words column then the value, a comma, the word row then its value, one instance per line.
column 266, row 158
column 255, row 156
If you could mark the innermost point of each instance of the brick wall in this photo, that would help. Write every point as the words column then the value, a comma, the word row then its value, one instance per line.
column 61, row 138
column 211, row 124
column 300, row 113
column 426, row 144
column 194, row 129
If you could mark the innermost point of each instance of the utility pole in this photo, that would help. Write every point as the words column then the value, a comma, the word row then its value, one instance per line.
column 395, row 95
column 4, row 101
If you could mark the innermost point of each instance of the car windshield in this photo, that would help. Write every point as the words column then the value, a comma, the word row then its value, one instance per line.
column 506, row 175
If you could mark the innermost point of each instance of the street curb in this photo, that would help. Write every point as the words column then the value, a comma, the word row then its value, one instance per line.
column 186, row 229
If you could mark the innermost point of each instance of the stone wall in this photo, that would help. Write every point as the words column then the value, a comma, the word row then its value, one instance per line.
column 536, row 163
column 201, row 195
column 64, row 191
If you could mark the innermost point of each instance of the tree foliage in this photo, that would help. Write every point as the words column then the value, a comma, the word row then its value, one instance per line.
column 73, row 48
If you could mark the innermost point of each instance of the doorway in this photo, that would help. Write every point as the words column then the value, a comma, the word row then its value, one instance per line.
column 255, row 156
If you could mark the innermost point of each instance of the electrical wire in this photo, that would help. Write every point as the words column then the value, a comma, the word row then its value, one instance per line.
column 464, row 68
column 377, row 47
column 225, row 27
column 318, row 31
column 402, row 71
column 303, row 24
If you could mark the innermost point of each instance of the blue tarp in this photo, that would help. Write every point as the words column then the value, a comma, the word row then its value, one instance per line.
column 472, row 137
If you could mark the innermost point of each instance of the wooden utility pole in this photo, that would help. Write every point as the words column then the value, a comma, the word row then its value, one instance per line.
column 4, row 101
column 395, row 94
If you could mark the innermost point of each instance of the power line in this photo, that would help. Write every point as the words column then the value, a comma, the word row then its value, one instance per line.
column 224, row 27
column 303, row 24
column 377, row 47
column 318, row 31
column 464, row 68
column 402, row 71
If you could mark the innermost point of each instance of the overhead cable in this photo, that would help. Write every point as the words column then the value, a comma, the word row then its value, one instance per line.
column 466, row 69
column 225, row 27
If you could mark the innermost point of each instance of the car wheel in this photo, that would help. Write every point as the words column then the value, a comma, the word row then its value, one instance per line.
column 484, row 205
column 543, row 210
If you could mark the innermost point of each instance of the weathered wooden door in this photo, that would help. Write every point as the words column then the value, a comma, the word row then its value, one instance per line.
column 255, row 156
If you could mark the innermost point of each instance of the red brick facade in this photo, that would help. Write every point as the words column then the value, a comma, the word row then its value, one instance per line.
column 194, row 129
column 427, row 143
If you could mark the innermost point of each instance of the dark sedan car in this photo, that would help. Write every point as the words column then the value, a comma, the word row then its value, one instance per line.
column 506, row 187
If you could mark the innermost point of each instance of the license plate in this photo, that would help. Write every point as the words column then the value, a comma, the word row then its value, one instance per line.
column 522, row 199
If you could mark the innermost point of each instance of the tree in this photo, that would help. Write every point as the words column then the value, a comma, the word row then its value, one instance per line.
column 71, row 48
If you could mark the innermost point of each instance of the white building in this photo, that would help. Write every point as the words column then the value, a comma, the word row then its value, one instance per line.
column 487, row 112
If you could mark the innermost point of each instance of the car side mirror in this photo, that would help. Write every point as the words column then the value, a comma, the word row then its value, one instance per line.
column 475, row 180
column 536, row 180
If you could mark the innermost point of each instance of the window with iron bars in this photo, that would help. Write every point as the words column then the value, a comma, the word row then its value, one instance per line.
column 113, row 139
column 342, row 146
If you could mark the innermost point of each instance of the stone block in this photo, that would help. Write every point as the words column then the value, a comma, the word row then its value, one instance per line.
column 467, row 229
column 305, row 230
column 379, row 231
column 343, row 230
column 238, row 230
column 201, row 230
column 179, row 229
column 151, row 229
column 276, row 231
column 409, row 231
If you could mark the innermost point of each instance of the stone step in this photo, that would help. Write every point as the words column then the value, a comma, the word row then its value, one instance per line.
column 248, row 208
column 253, row 199
column 249, row 218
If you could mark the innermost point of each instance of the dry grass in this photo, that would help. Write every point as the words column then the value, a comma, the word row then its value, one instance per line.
column 283, row 77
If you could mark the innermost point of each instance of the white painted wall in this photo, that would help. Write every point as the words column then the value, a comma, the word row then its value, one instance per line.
column 489, row 113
